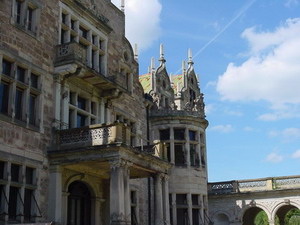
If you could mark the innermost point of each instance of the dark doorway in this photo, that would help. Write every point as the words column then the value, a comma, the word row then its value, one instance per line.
column 79, row 204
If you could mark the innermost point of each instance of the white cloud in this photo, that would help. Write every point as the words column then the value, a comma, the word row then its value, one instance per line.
column 248, row 129
column 296, row 154
column 222, row 128
column 291, row 3
column 287, row 135
column 274, row 158
column 142, row 21
column 271, row 73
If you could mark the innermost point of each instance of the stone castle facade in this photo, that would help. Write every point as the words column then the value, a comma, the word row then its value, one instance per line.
column 85, row 140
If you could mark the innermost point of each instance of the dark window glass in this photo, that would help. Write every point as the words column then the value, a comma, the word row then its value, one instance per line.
column 2, row 164
column 15, row 170
column 94, row 39
column 182, row 216
column 73, row 24
column 100, row 63
column 34, row 80
column 71, row 124
column 195, row 199
column 81, row 120
column 181, row 199
column 81, row 103
column 168, row 148
column 30, row 18
column 196, row 215
column 6, row 67
column 94, row 59
column 164, row 134
column 170, row 199
column 179, row 155
column 83, row 32
column 62, row 36
column 64, row 18
column 32, row 110
column 133, row 197
column 93, row 121
column 29, row 175
column 18, row 104
column 192, row 135
column 4, row 91
column 93, row 108
column 21, row 74
column 12, row 203
column 179, row 134
column 101, row 44
column 18, row 11
column 28, row 205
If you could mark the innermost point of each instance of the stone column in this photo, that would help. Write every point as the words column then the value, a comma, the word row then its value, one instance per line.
column 158, row 200
column 190, row 212
column 174, row 209
column 55, row 184
column 65, row 98
column 166, row 200
column 64, row 204
column 57, row 97
column 96, row 209
column 102, row 111
column 117, row 209
column 127, row 202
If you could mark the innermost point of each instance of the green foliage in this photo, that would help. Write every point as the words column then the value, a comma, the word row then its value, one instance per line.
column 292, row 217
column 261, row 219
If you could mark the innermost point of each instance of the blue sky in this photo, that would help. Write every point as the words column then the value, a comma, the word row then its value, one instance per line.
column 247, row 55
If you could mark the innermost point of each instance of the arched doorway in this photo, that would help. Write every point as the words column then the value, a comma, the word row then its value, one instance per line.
column 250, row 216
column 221, row 219
column 79, row 204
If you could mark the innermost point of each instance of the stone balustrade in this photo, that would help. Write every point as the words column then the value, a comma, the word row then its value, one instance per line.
column 255, row 185
column 93, row 135
column 70, row 52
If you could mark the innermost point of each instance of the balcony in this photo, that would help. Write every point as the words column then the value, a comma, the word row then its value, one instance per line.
column 71, row 60
column 93, row 135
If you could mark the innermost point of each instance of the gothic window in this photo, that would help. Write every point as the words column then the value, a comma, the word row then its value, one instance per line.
column 93, row 41
column 182, row 209
column 20, row 87
column 179, row 134
column 164, row 134
column 82, row 111
column 26, row 14
column 19, row 196
column 196, row 207
column 179, row 154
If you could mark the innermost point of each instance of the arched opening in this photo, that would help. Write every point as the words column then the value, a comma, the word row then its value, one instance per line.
column 255, row 216
column 79, row 204
column 221, row 219
column 288, row 215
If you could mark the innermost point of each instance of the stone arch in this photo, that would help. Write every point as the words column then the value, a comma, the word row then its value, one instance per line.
column 249, row 213
column 221, row 218
column 282, row 208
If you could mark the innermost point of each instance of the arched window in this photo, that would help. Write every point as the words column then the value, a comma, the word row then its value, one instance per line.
column 79, row 204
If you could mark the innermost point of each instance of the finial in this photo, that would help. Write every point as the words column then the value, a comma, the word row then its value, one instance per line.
column 122, row 5
column 190, row 56
column 136, row 53
column 152, row 63
column 161, row 52
column 149, row 69
column 183, row 67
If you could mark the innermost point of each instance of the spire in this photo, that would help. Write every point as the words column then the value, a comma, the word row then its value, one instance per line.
column 136, row 53
column 122, row 5
column 183, row 67
column 152, row 65
column 161, row 52
column 190, row 57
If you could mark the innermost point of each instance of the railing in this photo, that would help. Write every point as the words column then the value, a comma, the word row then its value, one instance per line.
column 255, row 185
column 170, row 112
column 70, row 53
column 93, row 135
